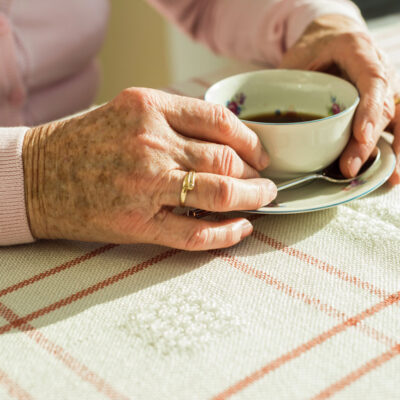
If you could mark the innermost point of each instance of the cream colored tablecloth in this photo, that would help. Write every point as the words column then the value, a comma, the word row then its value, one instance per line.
column 307, row 307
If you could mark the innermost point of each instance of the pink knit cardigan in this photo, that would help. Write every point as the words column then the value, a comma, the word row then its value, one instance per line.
column 48, row 69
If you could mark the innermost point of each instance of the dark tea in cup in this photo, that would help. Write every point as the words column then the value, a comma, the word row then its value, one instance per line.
column 283, row 117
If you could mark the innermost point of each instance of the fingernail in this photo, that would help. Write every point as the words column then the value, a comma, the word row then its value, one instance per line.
column 264, row 160
column 397, row 169
column 397, row 172
column 245, row 227
column 272, row 190
column 354, row 165
column 368, row 133
column 395, row 178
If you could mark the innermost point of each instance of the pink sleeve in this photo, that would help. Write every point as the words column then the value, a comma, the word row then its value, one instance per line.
column 14, row 226
column 251, row 30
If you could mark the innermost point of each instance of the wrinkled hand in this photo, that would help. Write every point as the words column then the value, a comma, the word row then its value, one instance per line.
column 114, row 174
column 342, row 46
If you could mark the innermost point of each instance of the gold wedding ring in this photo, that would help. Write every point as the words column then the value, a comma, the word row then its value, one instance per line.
column 397, row 100
column 188, row 184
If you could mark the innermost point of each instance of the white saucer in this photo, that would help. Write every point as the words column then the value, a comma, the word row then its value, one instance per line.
column 320, row 194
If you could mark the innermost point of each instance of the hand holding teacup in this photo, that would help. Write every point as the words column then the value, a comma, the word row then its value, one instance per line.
column 341, row 45
column 114, row 174
column 283, row 98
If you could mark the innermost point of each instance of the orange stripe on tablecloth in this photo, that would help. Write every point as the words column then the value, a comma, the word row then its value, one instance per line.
column 90, row 290
column 13, row 389
column 358, row 373
column 201, row 82
column 305, row 347
column 288, row 290
column 332, row 270
column 276, row 244
column 62, row 355
column 58, row 269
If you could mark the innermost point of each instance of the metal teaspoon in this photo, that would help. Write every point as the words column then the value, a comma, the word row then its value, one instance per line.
column 331, row 174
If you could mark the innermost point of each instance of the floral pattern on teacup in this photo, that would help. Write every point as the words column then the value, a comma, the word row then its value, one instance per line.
column 335, row 107
column 236, row 104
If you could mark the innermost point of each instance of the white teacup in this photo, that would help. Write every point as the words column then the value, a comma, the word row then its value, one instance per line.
column 295, row 148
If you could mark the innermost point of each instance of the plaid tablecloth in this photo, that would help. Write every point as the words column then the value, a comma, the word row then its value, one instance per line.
column 308, row 307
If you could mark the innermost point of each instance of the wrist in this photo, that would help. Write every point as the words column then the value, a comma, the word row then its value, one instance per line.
column 33, row 156
column 332, row 25
column 325, row 32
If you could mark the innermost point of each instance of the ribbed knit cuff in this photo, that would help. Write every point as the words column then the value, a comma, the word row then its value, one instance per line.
column 14, row 227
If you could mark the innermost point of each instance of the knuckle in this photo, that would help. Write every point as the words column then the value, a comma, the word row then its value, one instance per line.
column 202, row 157
column 375, row 73
column 224, row 195
column 224, row 120
column 224, row 161
column 364, row 38
column 374, row 77
column 139, row 100
column 373, row 104
column 124, row 96
column 389, row 109
column 364, row 50
column 162, row 216
column 356, row 39
column 347, row 38
column 383, row 58
column 378, row 73
column 143, row 138
column 199, row 239
column 127, row 95
column 144, row 143
column 261, row 197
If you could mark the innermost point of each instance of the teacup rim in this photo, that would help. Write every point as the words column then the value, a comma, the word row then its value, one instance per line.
column 339, row 114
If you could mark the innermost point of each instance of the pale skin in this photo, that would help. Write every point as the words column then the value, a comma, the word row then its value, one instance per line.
column 115, row 174
column 341, row 45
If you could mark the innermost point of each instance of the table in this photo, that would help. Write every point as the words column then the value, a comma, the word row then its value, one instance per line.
column 306, row 308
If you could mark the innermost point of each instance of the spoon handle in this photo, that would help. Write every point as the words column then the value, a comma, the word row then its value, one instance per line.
column 297, row 181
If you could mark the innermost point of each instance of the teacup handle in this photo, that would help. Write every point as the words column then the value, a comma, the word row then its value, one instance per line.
column 296, row 181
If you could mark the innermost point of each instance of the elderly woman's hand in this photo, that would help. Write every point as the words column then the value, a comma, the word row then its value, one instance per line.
column 340, row 45
column 114, row 174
